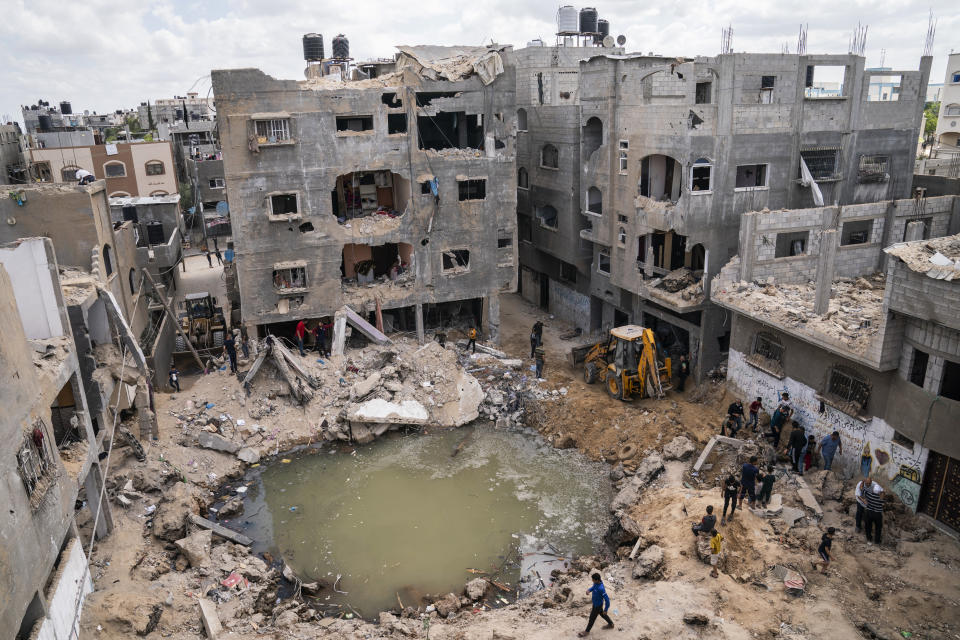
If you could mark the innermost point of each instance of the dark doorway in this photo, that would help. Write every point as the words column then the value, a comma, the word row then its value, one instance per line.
column 544, row 291
column 620, row 318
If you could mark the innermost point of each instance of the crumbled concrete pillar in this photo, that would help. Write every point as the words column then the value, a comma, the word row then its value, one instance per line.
column 748, row 253
column 648, row 262
column 825, row 269
column 93, row 484
column 914, row 231
column 491, row 318
column 339, row 333
column 146, row 417
column 418, row 314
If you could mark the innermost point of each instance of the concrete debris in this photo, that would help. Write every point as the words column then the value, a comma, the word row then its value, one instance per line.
column 476, row 588
column 680, row 448
column 217, row 443
column 248, row 455
column 196, row 548
column 447, row 605
column 695, row 618
column 790, row 515
column 379, row 410
column 211, row 622
column 648, row 469
column 363, row 388
column 806, row 497
column 169, row 520
column 650, row 563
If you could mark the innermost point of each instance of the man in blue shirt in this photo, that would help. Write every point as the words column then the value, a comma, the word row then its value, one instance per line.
column 829, row 447
column 601, row 603
column 748, row 481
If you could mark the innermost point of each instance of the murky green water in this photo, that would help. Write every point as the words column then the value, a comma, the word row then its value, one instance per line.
column 402, row 516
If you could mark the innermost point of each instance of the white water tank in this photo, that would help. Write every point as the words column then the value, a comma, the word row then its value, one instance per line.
column 568, row 20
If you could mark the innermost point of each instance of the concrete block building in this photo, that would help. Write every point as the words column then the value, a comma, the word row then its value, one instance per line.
column 633, row 172
column 948, row 121
column 398, row 191
column 852, row 310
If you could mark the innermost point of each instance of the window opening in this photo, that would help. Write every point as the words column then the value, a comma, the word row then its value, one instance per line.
column 592, row 136
column 115, row 170
column 217, row 183
column 624, row 148
column 287, row 279
column 621, row 236
column 659, row 178
column 522, row 178
column 283, row 204
column 703, row 93
column 822, row 163
column 34, row 462
column 450, row 130
column 425, row 188
column 354, row 123
column 396, row 123
column 769, row 347
column 700, row 175
column 825, row 81
column 456, row 260
column 751, row 175
column 69, row 174
column 918, row 367
column 107, row 259
column 603, row 262
column 521, row 119
column 856, row 232
column 884, row 88
column 155, row 168
column 873, row 169
column 791, row 244
column 364, row 193
column 391, row 100
column 363, row 263
column 950, row 382
column 505, row 243
column 568, row 272
column 270, row 131
column 547, row 216
column 472, row 189
column 848, row 387
column 594, row 201
column 902, row 440
column 549, row 157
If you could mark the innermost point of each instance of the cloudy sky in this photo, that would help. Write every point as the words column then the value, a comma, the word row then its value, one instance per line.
column 107, row 54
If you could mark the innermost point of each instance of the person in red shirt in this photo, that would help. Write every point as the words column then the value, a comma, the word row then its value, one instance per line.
column 755, row 407
column 301, row 331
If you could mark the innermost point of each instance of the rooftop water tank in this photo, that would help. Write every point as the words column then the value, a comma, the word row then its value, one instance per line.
column 603, row 30
column 45, row 122
column 567, row 20
column 535, row 43
column 588, row 20
column 313, row 47
column 341, row 47
column 66, row 109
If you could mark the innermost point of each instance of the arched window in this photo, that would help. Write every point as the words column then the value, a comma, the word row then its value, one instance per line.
column 119, row 194
column 155, row 168
column 547, row 216
column 114, row 169
column 592, row 136
column 594, row 200
column 701, row 175
column 521, row 119
column 698, row 257
column 107, row 259
column 549, row 157
column 523, row 181
column 131, row 276
column 659, row 178
column 69, row 173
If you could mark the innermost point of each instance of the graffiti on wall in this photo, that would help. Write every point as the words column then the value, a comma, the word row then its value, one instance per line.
column 906, row 484
column 867, row 445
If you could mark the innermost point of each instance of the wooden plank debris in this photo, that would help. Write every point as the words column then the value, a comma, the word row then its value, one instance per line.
column 220, row 530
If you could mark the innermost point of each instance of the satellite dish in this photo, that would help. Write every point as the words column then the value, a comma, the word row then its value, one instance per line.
column 621, row 40
column 607, row 41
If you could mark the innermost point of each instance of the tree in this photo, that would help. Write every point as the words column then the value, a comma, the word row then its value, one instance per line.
column 930, row 112
column 133, row 122
column 150, row 123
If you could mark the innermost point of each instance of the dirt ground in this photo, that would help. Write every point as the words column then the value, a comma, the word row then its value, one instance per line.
column 908, row 584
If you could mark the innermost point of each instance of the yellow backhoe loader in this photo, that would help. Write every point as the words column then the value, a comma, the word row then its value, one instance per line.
column 627, row 361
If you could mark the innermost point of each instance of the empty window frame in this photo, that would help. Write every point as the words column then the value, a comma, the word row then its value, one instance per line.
column 902, row 440
column 873, row 169
column 43, row 172
column 950, row 382
column 391, row 100
column 568, row 272
column 768, row 346
column 69, row 174
column 847, row 386
column 751, row 176
column 282, row 204
column 594, row 201
column 524, row 229
column 115, row 169
column 821, row 162
column 456, row 260
column 504, row 242
column 621, row 236
column 521, row 119
column 592, row 136
column 885, row 89
column 523, row 179
column 792, row 244
column 287, row 279
column 856, row 232
column 955, row 77
column 704, row 93
column 825, row 81
column 952, row 110
column 425, row 189
column 767, row 83
column 472, row 189
column 450, row 130
column 624, row 147
column 549, row 157
column 272, row 131
column 396, row 123
column 701, row 174
column 603, row 262
column 547, row 215
column 216, row 183
column 354, row 123
column 155, row 168
column 918, row 367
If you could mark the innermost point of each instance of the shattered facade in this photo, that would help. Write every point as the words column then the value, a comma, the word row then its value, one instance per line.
column 12, row 169
column 853, row 311
column 671, row 152
column 397, row 191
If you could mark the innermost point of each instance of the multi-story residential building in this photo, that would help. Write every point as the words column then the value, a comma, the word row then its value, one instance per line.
column 46, row 117
column 853, row 310
column 673, row 151
column 12, row 166
column 176, row 109
column 129, row 168
column 393, row 192
column 948, row 122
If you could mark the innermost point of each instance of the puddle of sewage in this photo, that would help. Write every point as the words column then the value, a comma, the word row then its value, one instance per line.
column 401, row 516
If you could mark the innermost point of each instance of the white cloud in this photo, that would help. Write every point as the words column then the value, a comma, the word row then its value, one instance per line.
column 107, row 54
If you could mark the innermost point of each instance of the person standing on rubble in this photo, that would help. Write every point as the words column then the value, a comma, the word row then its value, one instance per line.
column 729, row 491
column 301, row 332
column 748, row 481
column 684, row 372
column 538, row 361
column 536, row 336
column 174, row 378
column 735, row 416
column 829, row 447
column 755, row 407
column 601, row 604
column 472, row 335
column 873, row 513
column 796, row 445
column 230, row 347
column 780, row 416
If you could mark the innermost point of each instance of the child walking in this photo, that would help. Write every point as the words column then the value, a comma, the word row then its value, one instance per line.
column 601, row 603
column 826, row 542
column 716, row 541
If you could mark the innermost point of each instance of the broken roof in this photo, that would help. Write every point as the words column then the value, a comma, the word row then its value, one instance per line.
column 452, row 63
column 939, row 258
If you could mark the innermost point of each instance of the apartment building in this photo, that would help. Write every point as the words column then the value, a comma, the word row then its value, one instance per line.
column 176, row 109
column 397, row 193
column 12, row 167
column 129, row 168
column 671, row 152
column 948, row 122
column 853, row 310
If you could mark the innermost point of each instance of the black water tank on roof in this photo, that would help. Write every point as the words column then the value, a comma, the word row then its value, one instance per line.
column 66, row 109
column 341, row 47
column 45, row 123
column 130, row 213
column 603, row 30
column 313, row 47
column 588, row 20
column 155, row 233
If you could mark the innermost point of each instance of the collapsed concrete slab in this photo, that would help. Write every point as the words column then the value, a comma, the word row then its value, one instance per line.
column 382, row 411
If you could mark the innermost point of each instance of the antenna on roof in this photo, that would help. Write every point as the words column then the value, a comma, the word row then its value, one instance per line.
column 726, row 40
column 802, row 40
column 858, row 41
column 931, row 32
column 785, row 48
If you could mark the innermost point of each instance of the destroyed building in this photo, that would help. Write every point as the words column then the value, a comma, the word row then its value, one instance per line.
column 397, row 191
column 665, row 154
column 51, row 438
column 176, row 109
column 12, row 169
column 853, row 310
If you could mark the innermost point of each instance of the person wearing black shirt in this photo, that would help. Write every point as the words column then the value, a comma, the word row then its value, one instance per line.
column 706, row 524
column 735, row 414
column 730, row 489
column 684, row 371
column 766, row 486
column 748, row 481
column 826, row 542
column 798, row 440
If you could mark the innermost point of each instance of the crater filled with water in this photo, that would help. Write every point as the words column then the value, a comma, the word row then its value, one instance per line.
column 403, row 517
